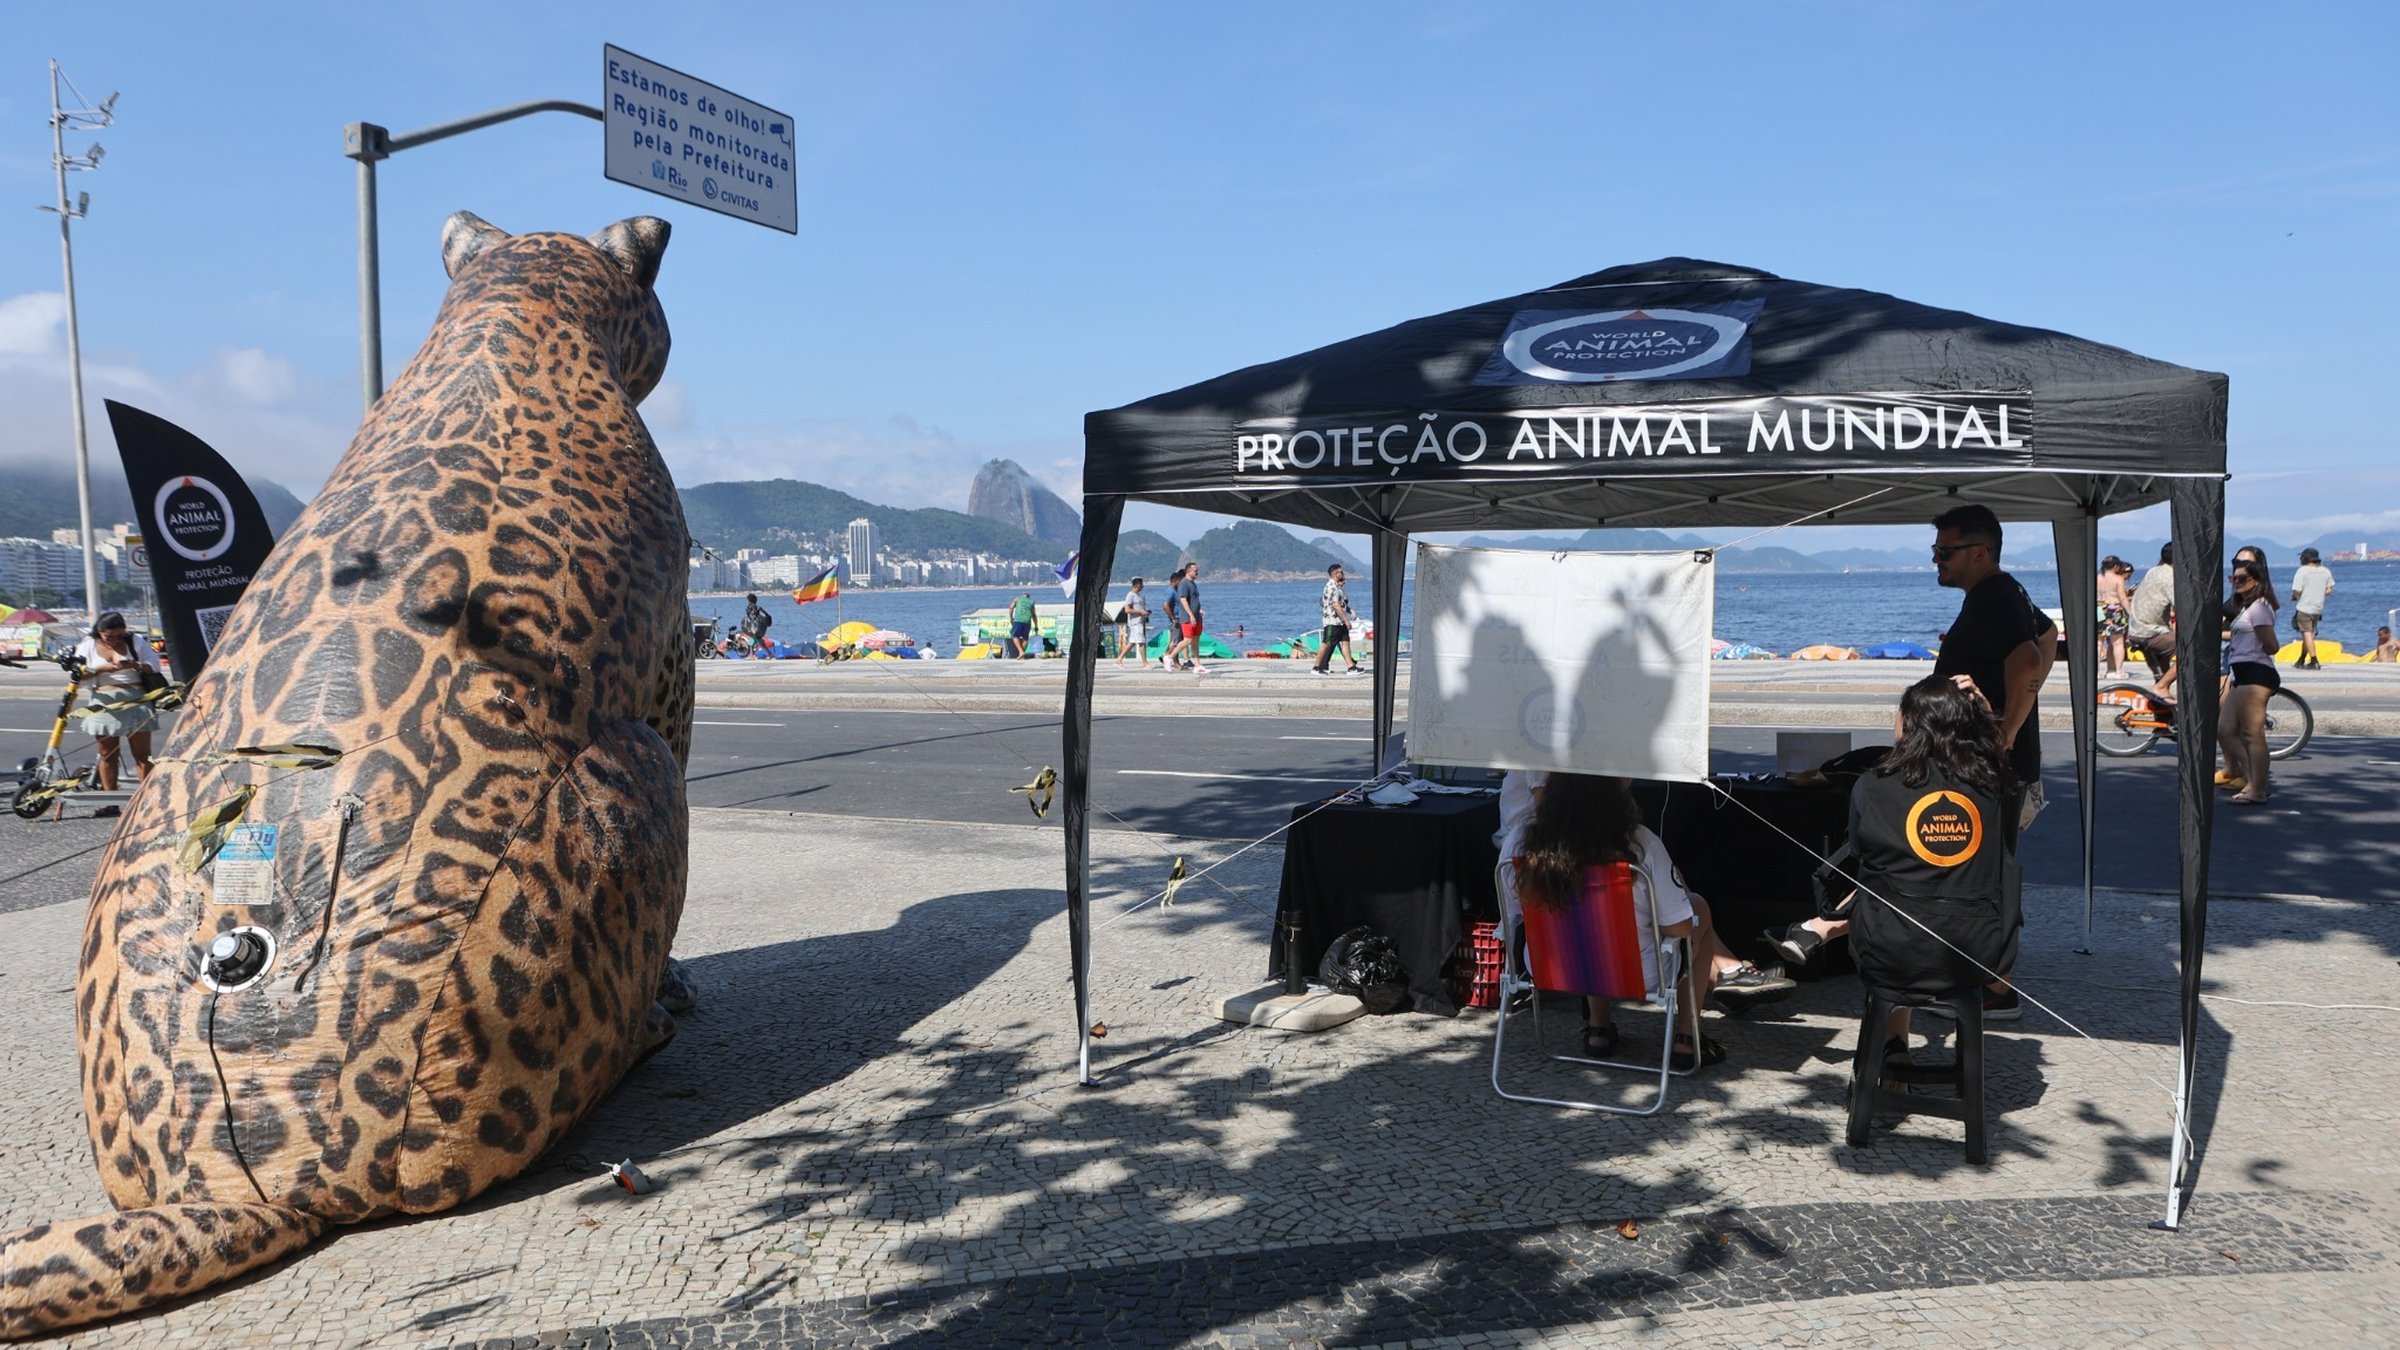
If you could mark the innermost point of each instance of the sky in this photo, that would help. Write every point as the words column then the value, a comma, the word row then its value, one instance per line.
column 1014, row 213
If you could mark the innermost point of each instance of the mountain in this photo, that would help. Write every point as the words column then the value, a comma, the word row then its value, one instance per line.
column 1357, row 566
column 1146, row 554
column 1768, row 558
column 1255, row 551
column 779, row 514
column 41, row 498
column 1004, row 492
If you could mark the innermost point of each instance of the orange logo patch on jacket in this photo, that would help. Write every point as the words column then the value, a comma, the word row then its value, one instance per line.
column 1944, row 828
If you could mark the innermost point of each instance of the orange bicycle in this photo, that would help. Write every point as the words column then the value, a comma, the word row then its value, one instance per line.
column 2132, row 718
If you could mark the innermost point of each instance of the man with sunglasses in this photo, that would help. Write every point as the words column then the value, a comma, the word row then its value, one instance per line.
column 2005, row 647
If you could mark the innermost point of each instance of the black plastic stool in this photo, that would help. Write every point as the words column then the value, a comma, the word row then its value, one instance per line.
column 1869, row 1072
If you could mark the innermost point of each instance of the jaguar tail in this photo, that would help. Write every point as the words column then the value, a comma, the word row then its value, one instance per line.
column 56, row 1275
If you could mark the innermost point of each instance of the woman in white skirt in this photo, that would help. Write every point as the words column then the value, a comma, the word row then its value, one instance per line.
column 114, row 658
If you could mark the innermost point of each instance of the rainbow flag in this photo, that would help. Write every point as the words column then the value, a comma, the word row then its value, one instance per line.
column 823, row 586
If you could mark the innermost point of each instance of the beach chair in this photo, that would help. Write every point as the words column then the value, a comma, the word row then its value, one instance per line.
column 1593, row 949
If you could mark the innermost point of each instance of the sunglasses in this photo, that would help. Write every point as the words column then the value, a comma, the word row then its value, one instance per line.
column 1943, row 552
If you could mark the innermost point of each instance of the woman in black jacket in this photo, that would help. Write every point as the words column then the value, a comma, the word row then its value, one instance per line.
column 1937, row 907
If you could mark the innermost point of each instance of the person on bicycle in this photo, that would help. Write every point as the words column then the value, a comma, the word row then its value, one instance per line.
column 110, row 664
column 2150, row 620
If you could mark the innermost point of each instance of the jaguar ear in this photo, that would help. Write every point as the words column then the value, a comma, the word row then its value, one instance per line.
column 636, row 245
column 463, row 236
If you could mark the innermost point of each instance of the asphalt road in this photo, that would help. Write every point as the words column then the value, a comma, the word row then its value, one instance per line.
column 2332, row 830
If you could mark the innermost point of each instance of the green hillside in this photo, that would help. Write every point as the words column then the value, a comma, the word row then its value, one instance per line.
column 1146, row 554
column 1254, row 548
column 39, row 500
column 778, row 513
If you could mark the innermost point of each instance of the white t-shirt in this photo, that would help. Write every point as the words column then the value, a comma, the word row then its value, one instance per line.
column 2311, row 583
column 1674, row 903
column 90, row 652
column 1517, row 787
column 2245, row 634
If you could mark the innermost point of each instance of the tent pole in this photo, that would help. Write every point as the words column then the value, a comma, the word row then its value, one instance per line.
column 1391, row 568
column 1101, row 516
column 2197, row 507
column 2077, row 542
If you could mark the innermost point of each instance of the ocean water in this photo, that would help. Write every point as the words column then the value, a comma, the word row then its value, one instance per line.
column 1781, row 612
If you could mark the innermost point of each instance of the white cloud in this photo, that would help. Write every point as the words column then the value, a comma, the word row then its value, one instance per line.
column 33, row 324
column 255, row 376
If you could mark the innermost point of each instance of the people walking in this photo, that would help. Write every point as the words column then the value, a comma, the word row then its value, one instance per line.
column 1334, row 607
column 2115, row 604
column 1020, row 627
column 1185, row 609
column 2310, row 585
column 1133, row 625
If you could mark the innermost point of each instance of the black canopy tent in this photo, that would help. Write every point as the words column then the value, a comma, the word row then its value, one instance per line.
column 1683, row 393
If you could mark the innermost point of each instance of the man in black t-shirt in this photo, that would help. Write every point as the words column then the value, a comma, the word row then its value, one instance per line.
column 2006, row 647
column 1999, row 640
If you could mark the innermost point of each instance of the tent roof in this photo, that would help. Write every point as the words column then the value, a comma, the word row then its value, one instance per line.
column 1469, row 423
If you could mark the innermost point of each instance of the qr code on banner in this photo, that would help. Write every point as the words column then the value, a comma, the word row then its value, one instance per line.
column 212, row 625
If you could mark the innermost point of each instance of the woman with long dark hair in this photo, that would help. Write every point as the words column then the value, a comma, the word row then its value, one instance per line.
column 1584, row 821
column 2250, row 663
column 1935, row 910
column 1943, row 733
column 113, row 660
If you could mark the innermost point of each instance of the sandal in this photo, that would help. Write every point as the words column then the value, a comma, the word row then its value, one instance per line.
column 1598, row 1041
column 2246, row 799
column 2232, row 782
column 1684, row 1061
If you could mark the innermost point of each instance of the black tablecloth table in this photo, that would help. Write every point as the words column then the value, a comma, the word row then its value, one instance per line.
column 1416, row 874
column 1752, row 876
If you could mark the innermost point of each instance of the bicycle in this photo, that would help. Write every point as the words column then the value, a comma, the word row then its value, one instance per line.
column 2131, row 718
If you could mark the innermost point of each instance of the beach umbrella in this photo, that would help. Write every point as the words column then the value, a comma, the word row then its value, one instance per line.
column 1824, row 652
column 1896, row 651
column 1717, row 645
column 1742, row 651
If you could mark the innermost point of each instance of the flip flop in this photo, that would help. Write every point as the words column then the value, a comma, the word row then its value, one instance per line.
column 1598, row 1041
column 2247, row 800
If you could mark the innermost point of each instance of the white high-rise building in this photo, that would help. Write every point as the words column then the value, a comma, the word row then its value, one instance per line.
column 862, row 551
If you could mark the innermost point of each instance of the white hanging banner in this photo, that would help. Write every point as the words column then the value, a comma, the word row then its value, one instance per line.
column 1576, row 662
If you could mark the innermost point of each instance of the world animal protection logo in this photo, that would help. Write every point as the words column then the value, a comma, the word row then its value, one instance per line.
column 1944, row 829
column 1551, row 346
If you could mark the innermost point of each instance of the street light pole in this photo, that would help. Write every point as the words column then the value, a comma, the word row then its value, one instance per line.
column 81, row 119
column 368, row 143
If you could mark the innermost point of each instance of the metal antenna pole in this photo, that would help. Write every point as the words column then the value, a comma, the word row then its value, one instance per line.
column 367, row 143
column 60, row 120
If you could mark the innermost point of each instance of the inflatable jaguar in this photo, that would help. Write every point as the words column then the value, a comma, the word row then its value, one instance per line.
column 390, row 915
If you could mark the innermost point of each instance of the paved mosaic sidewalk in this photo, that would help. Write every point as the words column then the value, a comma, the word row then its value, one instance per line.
column 871, row 1132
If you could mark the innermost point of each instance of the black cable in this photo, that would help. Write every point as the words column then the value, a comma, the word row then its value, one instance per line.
column 227, row 1088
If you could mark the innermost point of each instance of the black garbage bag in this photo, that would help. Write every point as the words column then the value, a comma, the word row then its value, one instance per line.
column 1365, row 965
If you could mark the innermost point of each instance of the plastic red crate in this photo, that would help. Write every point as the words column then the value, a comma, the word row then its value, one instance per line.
column 1473, row 970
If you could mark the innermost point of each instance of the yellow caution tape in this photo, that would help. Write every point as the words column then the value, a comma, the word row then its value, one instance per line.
column 293, row 756
column 1043, row 786
column 206, row 834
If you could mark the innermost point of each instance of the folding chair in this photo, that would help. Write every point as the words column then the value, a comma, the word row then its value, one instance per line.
column 1593, row 949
